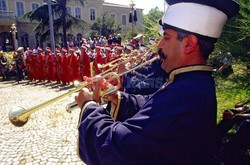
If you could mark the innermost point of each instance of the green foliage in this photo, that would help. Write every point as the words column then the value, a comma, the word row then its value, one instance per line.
column 128, row 35
column 150, row 23
column 104, row 26
column 236, row 35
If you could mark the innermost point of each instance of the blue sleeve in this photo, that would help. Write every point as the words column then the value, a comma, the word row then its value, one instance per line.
column 129, row 105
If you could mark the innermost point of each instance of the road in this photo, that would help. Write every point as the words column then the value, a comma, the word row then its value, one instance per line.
column 50, row 135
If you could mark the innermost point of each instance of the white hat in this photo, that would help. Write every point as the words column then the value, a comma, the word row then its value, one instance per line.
column 202, row 17
column 20, row 49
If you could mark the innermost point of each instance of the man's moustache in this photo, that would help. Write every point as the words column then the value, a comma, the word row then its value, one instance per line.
column 161, row 54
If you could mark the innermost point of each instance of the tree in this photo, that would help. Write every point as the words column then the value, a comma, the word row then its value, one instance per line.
column 104, row 26
column 150, row 23
column 236, row 35
column 62, row 20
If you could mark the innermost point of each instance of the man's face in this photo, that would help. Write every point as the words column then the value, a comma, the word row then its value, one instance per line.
column 170, row 47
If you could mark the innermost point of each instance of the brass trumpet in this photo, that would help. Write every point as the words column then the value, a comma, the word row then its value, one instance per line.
column 124, row 56
column 19, row 116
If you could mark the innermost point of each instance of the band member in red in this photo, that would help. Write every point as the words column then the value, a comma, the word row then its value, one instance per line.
column 52, row 71
column 119, row 50
column 108, row 53
column 29, row 66
column 40, row 65
column 46, row 64
column 98, row 59
column 73, row 66
column 65, row 62
column 58, row 66
column 84, row 62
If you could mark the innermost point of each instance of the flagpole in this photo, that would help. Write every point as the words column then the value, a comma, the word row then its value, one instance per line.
column 132, row 4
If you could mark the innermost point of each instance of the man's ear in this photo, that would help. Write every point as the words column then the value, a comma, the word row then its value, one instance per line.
column 191, row 43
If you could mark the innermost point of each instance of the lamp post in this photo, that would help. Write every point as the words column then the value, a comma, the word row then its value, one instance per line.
column 51, row 27
column 13, row 33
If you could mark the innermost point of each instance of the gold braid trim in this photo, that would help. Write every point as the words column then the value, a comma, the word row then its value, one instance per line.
column 115, row 112
column 186, row 69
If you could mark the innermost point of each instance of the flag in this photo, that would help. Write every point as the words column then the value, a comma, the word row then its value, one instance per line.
column 130, row 17
column 135, row 15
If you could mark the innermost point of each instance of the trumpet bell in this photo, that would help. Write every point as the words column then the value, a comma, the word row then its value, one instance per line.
column 15, row 119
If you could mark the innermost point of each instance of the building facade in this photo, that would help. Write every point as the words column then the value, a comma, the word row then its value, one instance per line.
column 11, row 12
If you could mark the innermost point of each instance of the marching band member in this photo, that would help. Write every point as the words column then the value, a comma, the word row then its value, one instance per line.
column 58, row 66
column 65, row 63
column 84, row 62
column 176, row 124
column 29, row 64
column 98, row 59
column 73, row 66
column 119, row 51
column 40, row 62
column 49, row 65
column 108, row 54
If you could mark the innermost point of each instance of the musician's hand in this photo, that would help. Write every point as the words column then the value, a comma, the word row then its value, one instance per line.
column 83, row 96
column 122, row 68
column 103, row 85
column 227, row 114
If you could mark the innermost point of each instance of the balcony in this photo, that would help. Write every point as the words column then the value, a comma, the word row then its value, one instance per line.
column 7, row 17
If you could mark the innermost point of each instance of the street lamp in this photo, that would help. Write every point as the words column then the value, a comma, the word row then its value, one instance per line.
column 13, row 33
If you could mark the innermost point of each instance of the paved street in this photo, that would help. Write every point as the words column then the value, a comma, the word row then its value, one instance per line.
column 50, row 135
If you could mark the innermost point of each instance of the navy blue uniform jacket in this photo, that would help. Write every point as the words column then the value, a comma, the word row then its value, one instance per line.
column 175, row 125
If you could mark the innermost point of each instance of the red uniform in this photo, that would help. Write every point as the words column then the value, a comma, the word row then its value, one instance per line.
column 84, row 64
column 51, row 64
column 98, row 60
column 65, row 63
column 73, row 67
column 29, row 66
column 40, row 62
column 58, row 67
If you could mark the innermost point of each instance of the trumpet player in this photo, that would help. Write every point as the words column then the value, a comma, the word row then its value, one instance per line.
column 176, row 124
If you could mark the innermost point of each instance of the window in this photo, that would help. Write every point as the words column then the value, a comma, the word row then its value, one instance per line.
column 24, row 39
column 124, row 19
column 38, row 43
column 69, row 37
column 34, row 6
column 69, row 10
column 112, row 16
column 79, row 38
column 78, row 12
column 3, row 6
column 92, row 14
column 20, row 9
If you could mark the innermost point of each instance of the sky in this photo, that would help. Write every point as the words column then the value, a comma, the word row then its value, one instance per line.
column 143, row 4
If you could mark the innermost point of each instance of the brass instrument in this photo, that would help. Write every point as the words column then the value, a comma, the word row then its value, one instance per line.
column 123, row 57
column 125, row 61
column 70, row 107
column 19, row 116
